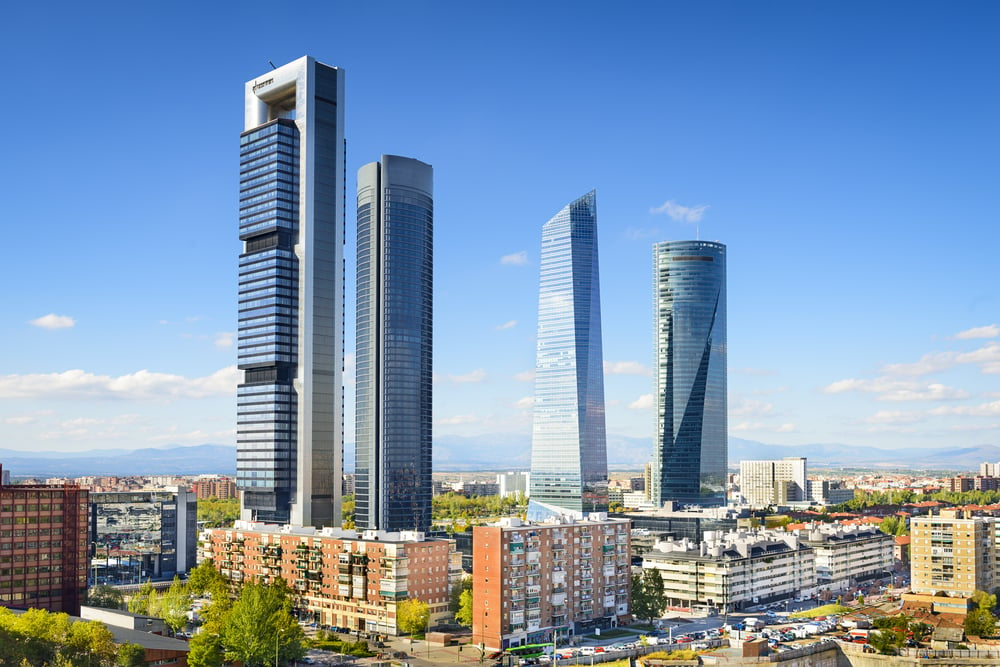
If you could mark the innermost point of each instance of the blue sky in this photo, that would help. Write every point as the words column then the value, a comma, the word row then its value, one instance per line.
column 847, row 154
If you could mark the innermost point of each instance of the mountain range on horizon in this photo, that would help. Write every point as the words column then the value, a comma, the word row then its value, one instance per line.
column 469, row 454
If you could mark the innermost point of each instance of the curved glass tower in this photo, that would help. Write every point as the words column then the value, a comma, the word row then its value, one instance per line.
column 690, row 450
column 569, row 462
column 394, row 345
column 289, row 432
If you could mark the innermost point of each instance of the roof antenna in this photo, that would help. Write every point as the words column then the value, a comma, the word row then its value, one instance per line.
column 273, row 66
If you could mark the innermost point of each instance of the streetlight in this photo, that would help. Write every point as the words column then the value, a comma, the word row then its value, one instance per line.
column 277, row 636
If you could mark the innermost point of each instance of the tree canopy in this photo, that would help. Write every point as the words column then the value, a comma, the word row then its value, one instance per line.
column 412, row 616
column 648, row 598
column 259, row 623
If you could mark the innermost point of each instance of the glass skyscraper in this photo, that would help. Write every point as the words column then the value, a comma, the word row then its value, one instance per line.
column 569, row 462
column 392, row 483
column 289, row 433
column 690, row 449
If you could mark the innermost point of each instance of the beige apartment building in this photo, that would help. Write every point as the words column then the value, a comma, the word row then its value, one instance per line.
column 531, row 581
column 952, row 552
column 341, row 578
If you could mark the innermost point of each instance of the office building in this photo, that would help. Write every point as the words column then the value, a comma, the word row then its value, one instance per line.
column 731, row 571
column 43, row 546
column 513, row 483
column 392, row 472
column 289, row 432
column 827, row 492
column 848, row 554
column 764, row 483
column 531, row 581
column 952, row 552
column 344, row 578
column 690, row 446
column 142, row 535
column 569, row 462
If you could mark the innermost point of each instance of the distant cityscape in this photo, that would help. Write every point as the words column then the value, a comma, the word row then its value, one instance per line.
column 578, row 553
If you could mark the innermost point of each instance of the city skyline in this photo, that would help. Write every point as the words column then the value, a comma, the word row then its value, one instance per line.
column 833, row 151
column 569, row 460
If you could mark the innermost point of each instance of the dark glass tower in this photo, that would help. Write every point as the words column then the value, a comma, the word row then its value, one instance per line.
column 569, row 462
column 394, row 345
column 690, row 450
column 289, row 433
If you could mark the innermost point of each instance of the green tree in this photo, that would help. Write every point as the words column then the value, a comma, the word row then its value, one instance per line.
column 648, row 598
column 259, row 623
column 980, row 623
column 347, row 511
column 202, row 577
column 205, row 650
column 139, row 603
column 217, row 513
column 132, row 655
column 455, row 597
column 412, row 616
column 883, row 641
column 106, row 596
column 464, row 613
column 172, row 605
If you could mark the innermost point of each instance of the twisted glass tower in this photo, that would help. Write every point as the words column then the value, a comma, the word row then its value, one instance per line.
column 392, row 481
column 690, row 449
column 289, row 433
column 569, row 463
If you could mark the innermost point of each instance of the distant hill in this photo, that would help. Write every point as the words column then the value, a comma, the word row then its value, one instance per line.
column 492, row 452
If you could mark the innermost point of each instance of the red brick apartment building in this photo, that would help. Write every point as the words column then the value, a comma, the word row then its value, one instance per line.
column 530, row 580
column 342, row 577
column 222, row 488
column 43, row 546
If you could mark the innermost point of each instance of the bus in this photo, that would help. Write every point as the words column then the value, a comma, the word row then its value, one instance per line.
column 530, row 650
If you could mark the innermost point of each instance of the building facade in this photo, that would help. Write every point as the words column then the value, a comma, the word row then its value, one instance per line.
column 846, row 555
column 569, row 462
column 731, row 571
column 779, row 482
column 531, row 581
column 141, row 535
column 221, row 488
column 395, row 289
column 289, row 432
column 338, row 577
column 690, row 444
column 43, row 547
column 513, row 483
column 952, row 552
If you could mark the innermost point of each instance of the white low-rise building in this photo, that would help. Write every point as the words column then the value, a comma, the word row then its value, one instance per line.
column 731, row 571
column 848, row 554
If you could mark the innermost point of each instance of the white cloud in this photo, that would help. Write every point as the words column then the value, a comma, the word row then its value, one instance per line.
column 515, row 259
column 525, row 403
column 525, row 376
column 53, row 321
column 895, row 417
column 507, row 325
column 681, row 213
column 644, row 402
column 975, row 427
column 744, row 427
column 477, row 375
column 458, row 419
column 988, row 331
column 897, row 390
column 981, row 410
column 141, row 385
column 18, row 420
column 625, row 368
column 987, row 357
column 748, row 407
column 224, row 339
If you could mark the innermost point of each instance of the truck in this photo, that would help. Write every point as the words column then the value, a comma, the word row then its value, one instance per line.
column 753, row 623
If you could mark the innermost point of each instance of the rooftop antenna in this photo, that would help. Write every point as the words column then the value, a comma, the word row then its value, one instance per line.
column 273, row 66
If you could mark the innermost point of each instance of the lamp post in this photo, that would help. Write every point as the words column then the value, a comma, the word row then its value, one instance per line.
column 277, row 636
